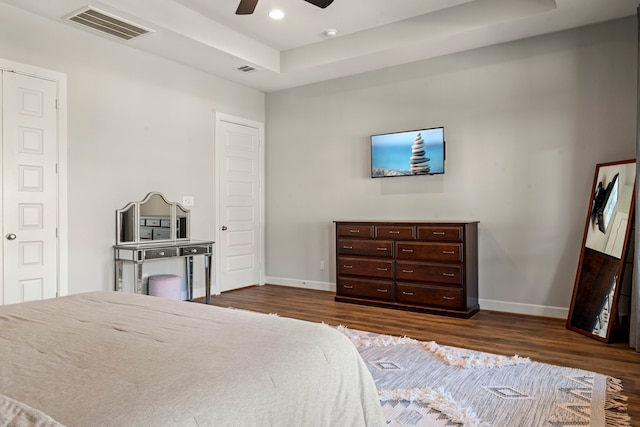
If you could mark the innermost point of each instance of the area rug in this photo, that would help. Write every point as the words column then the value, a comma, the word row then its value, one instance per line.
column 425, row 384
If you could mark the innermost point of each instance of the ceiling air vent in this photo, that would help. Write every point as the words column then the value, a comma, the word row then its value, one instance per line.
column 247, row 69
column 107, row 23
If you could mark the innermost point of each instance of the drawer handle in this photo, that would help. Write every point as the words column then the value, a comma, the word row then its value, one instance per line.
column 348, row 266
column 407, row 293
column 407, row 250
column 347, row 247
column 448, row 274
column 347, row 287
column 354, row 231
column 161, row 253
column 449, row 252
column 393, row 232
column 407, row 271
column 383, row 290
column 448, row 298
column 438, row 233
column 193, row 251
column 382, row 269
column 382, row 249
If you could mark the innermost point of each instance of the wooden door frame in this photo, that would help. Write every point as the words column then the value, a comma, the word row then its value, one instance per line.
column 62, row 225
column 222, row 117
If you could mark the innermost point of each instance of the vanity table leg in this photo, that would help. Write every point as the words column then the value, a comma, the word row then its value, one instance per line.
column 190, row 278
column 207, row 275
column 118, row 275
column 137, row 273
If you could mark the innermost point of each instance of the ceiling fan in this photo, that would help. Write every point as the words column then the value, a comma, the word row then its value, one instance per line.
column 246, row 7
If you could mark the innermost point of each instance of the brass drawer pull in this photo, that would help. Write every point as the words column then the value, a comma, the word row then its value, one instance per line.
column 407, row 293
column 354, row 231
column 383, row 290
column 407, row 250
column 347, row 287
column 348, row 266
column 382, row 249
column 347, row 247
column 449, row 252
column 407, row 271
column 382, row 269
column 448, row 298
column 393, row 232
column 438, row 233
column 448, row 274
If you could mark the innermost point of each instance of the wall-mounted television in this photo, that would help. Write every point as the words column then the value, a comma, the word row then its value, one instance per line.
column 408, row 153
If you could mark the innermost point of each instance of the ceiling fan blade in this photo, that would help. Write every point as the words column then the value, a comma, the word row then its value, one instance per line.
column 320, row 3
column 246, row 7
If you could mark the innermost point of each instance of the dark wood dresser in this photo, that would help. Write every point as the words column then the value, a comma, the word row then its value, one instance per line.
column 429, row 267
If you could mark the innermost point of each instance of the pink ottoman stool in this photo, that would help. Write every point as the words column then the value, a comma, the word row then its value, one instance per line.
column 166, row 286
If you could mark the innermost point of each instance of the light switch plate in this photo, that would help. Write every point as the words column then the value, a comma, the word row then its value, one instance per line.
column 188, row 201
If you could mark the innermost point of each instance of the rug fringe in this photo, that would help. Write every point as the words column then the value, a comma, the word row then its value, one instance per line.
column 380, row 340
column 477, row 360
column 615, row 410
column 437, row 399
column 448, row 355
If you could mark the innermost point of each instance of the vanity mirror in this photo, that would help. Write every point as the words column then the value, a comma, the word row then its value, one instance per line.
column 153, row 219
column 607, row 244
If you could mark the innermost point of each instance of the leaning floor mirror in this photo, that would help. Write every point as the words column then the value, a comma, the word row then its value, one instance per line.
column 600, row 304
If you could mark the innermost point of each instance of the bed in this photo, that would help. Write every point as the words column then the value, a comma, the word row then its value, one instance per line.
column 120, row 359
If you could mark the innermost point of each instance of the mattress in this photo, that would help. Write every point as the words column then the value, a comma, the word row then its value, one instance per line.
column 116, row 359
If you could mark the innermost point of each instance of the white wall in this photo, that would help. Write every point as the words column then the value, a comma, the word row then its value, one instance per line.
column 525, row 124
column 136, row 123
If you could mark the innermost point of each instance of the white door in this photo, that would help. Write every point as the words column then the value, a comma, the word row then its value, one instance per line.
column 30, row 188
column 239, row 239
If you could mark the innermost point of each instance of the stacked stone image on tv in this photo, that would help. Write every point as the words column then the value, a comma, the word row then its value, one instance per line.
column 419, row 162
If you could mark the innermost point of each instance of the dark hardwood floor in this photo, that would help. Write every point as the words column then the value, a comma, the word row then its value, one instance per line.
column 542, row 339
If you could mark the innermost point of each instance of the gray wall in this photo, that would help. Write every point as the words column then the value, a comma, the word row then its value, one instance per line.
column 525, row 124
column 136, row 123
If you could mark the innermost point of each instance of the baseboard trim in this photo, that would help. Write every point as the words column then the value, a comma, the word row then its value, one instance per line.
column 485, row 304
column 306, row 284
column 521, row 308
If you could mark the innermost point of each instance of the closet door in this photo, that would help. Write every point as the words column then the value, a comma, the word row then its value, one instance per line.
column 30, row 188
column 239, row 194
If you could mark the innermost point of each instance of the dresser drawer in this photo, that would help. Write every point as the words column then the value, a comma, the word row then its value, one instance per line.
column 365, row 267
column 146, row 233
column 152, row 222
column 429, row 295
column 159, row 253
column 377, row 248
column 403, row 232
column 446, row 252
column 438, row 233
column 427, row 272
column 193, row 250
column 355, row 230
column 161, row 233
column 377, row 289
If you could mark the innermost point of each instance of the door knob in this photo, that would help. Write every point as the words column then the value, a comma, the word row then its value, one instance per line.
column 11, row 236
column 224, row 228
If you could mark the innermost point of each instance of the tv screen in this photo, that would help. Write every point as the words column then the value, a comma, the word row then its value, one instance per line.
column 416, row 152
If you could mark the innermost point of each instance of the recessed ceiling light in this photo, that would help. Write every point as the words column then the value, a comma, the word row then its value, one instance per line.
column 276, row 14
column 331, row 32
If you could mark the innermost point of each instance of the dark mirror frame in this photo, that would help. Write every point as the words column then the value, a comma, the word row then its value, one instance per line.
column 597, row 274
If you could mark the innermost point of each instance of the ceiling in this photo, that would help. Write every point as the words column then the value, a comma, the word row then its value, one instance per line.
column 372, row 34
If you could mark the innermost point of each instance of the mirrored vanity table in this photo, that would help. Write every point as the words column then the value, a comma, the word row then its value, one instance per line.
column 155, row 229
column 600, row 302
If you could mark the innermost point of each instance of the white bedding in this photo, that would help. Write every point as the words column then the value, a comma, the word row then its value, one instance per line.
column 119, row 359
